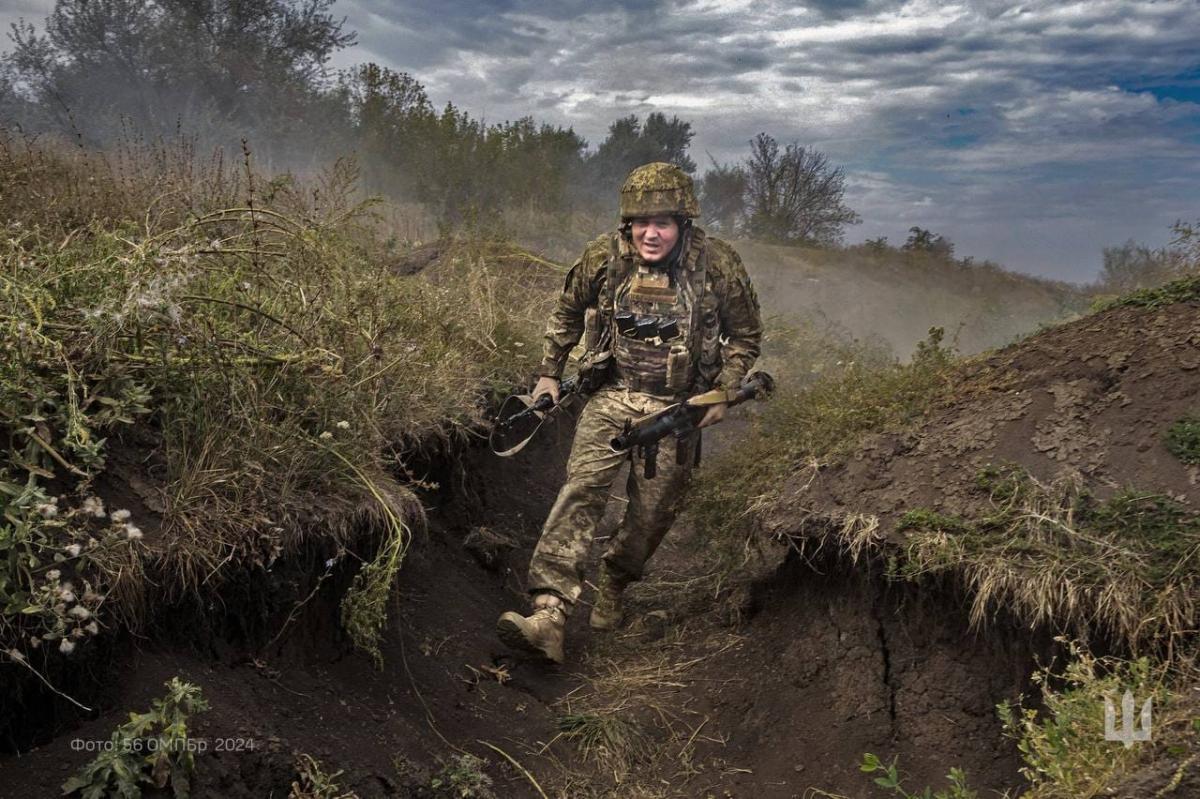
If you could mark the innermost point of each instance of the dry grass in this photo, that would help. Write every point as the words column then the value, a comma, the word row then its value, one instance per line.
column 1061, row 559
column 235, row 350
column 627, row 723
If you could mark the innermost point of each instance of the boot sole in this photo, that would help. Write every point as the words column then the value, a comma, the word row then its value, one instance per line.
column 509, row 633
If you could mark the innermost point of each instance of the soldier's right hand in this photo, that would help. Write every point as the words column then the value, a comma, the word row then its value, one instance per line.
column 546, row 385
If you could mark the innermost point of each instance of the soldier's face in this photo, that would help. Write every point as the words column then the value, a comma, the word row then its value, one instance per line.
column 654, row 237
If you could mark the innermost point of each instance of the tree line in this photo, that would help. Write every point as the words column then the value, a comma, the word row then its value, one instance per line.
column 219, row 71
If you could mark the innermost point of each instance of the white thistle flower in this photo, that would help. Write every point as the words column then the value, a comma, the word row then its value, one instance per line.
column 53, row 575
column 94, row 506
column 132, row 533
column 325, row 436
column 16, row 655
column 343, row 425
column 73, row 550
column 66, row 647
column 66, row 595
column 47, row 510
column 92, row 628
column 80, row 612
column 121, row 516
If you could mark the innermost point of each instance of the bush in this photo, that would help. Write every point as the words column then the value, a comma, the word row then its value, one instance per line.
column 1061, row 737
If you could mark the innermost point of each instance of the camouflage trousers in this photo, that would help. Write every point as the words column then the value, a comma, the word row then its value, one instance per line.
column 561, row 554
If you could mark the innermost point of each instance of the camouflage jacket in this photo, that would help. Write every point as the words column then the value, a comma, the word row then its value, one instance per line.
column 729, row 304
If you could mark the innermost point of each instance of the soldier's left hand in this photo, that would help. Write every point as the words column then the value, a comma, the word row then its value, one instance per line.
column 713, row 415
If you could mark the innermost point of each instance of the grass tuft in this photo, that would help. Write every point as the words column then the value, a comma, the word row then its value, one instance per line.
column 1183, row 439
column 1184, row 290
column 1060, row 556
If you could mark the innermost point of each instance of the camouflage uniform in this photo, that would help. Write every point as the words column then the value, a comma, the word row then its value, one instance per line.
column 645, row 379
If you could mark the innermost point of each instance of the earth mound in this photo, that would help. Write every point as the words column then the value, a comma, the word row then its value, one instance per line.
column 1093, row 400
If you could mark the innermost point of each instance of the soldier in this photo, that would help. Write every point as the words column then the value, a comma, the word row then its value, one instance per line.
column 670, row 312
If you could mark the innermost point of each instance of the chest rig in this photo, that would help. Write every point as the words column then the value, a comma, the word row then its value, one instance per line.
column 654, row 318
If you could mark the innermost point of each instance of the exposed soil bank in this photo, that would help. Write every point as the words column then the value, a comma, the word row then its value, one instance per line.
column 837, row 662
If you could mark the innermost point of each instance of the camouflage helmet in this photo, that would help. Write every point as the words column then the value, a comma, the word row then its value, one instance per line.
column 658, row 188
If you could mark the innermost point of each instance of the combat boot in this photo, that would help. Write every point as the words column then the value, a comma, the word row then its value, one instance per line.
column 540, row 633
column 609, row 607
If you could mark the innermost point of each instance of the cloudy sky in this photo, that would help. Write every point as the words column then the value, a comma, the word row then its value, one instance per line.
column 1030, row 133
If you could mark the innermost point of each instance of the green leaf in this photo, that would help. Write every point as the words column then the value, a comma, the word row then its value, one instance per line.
column 74, row 784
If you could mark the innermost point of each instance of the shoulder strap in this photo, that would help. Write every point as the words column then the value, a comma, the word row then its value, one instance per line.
column 697, row 267
column 616, row 270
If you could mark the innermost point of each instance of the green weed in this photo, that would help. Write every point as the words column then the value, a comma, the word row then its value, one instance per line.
column 890, row 780
column 151, row 749
column 1184, row 290
column 1061, row 737
column 463, row 778
column 1183, row 439
column 314, row 783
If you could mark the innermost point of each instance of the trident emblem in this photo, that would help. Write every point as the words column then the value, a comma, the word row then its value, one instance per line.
column 1128, row 733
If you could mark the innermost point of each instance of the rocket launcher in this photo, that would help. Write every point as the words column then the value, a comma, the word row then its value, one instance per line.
column 680, row 419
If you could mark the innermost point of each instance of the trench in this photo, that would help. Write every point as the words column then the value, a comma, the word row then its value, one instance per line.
column 824, row 661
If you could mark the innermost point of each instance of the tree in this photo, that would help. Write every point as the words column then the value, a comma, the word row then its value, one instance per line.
column 922, row 240
column 224, row 67
column 877, row 246
column 794, row 195
column 723, row 197
column 391, row 119
column 1133, row 266
column 630, row 144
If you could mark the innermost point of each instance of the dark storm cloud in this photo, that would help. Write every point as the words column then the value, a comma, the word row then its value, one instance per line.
column 838, row 9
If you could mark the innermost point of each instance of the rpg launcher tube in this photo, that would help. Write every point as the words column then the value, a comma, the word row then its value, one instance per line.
column 661, row 427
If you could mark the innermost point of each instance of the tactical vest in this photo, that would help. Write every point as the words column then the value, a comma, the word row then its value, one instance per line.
column 664, row 337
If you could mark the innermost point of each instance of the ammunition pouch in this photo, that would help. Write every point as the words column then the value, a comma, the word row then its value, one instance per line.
column 592, row 322
column 709, row 346
column 646, row 327
column 679, row 369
